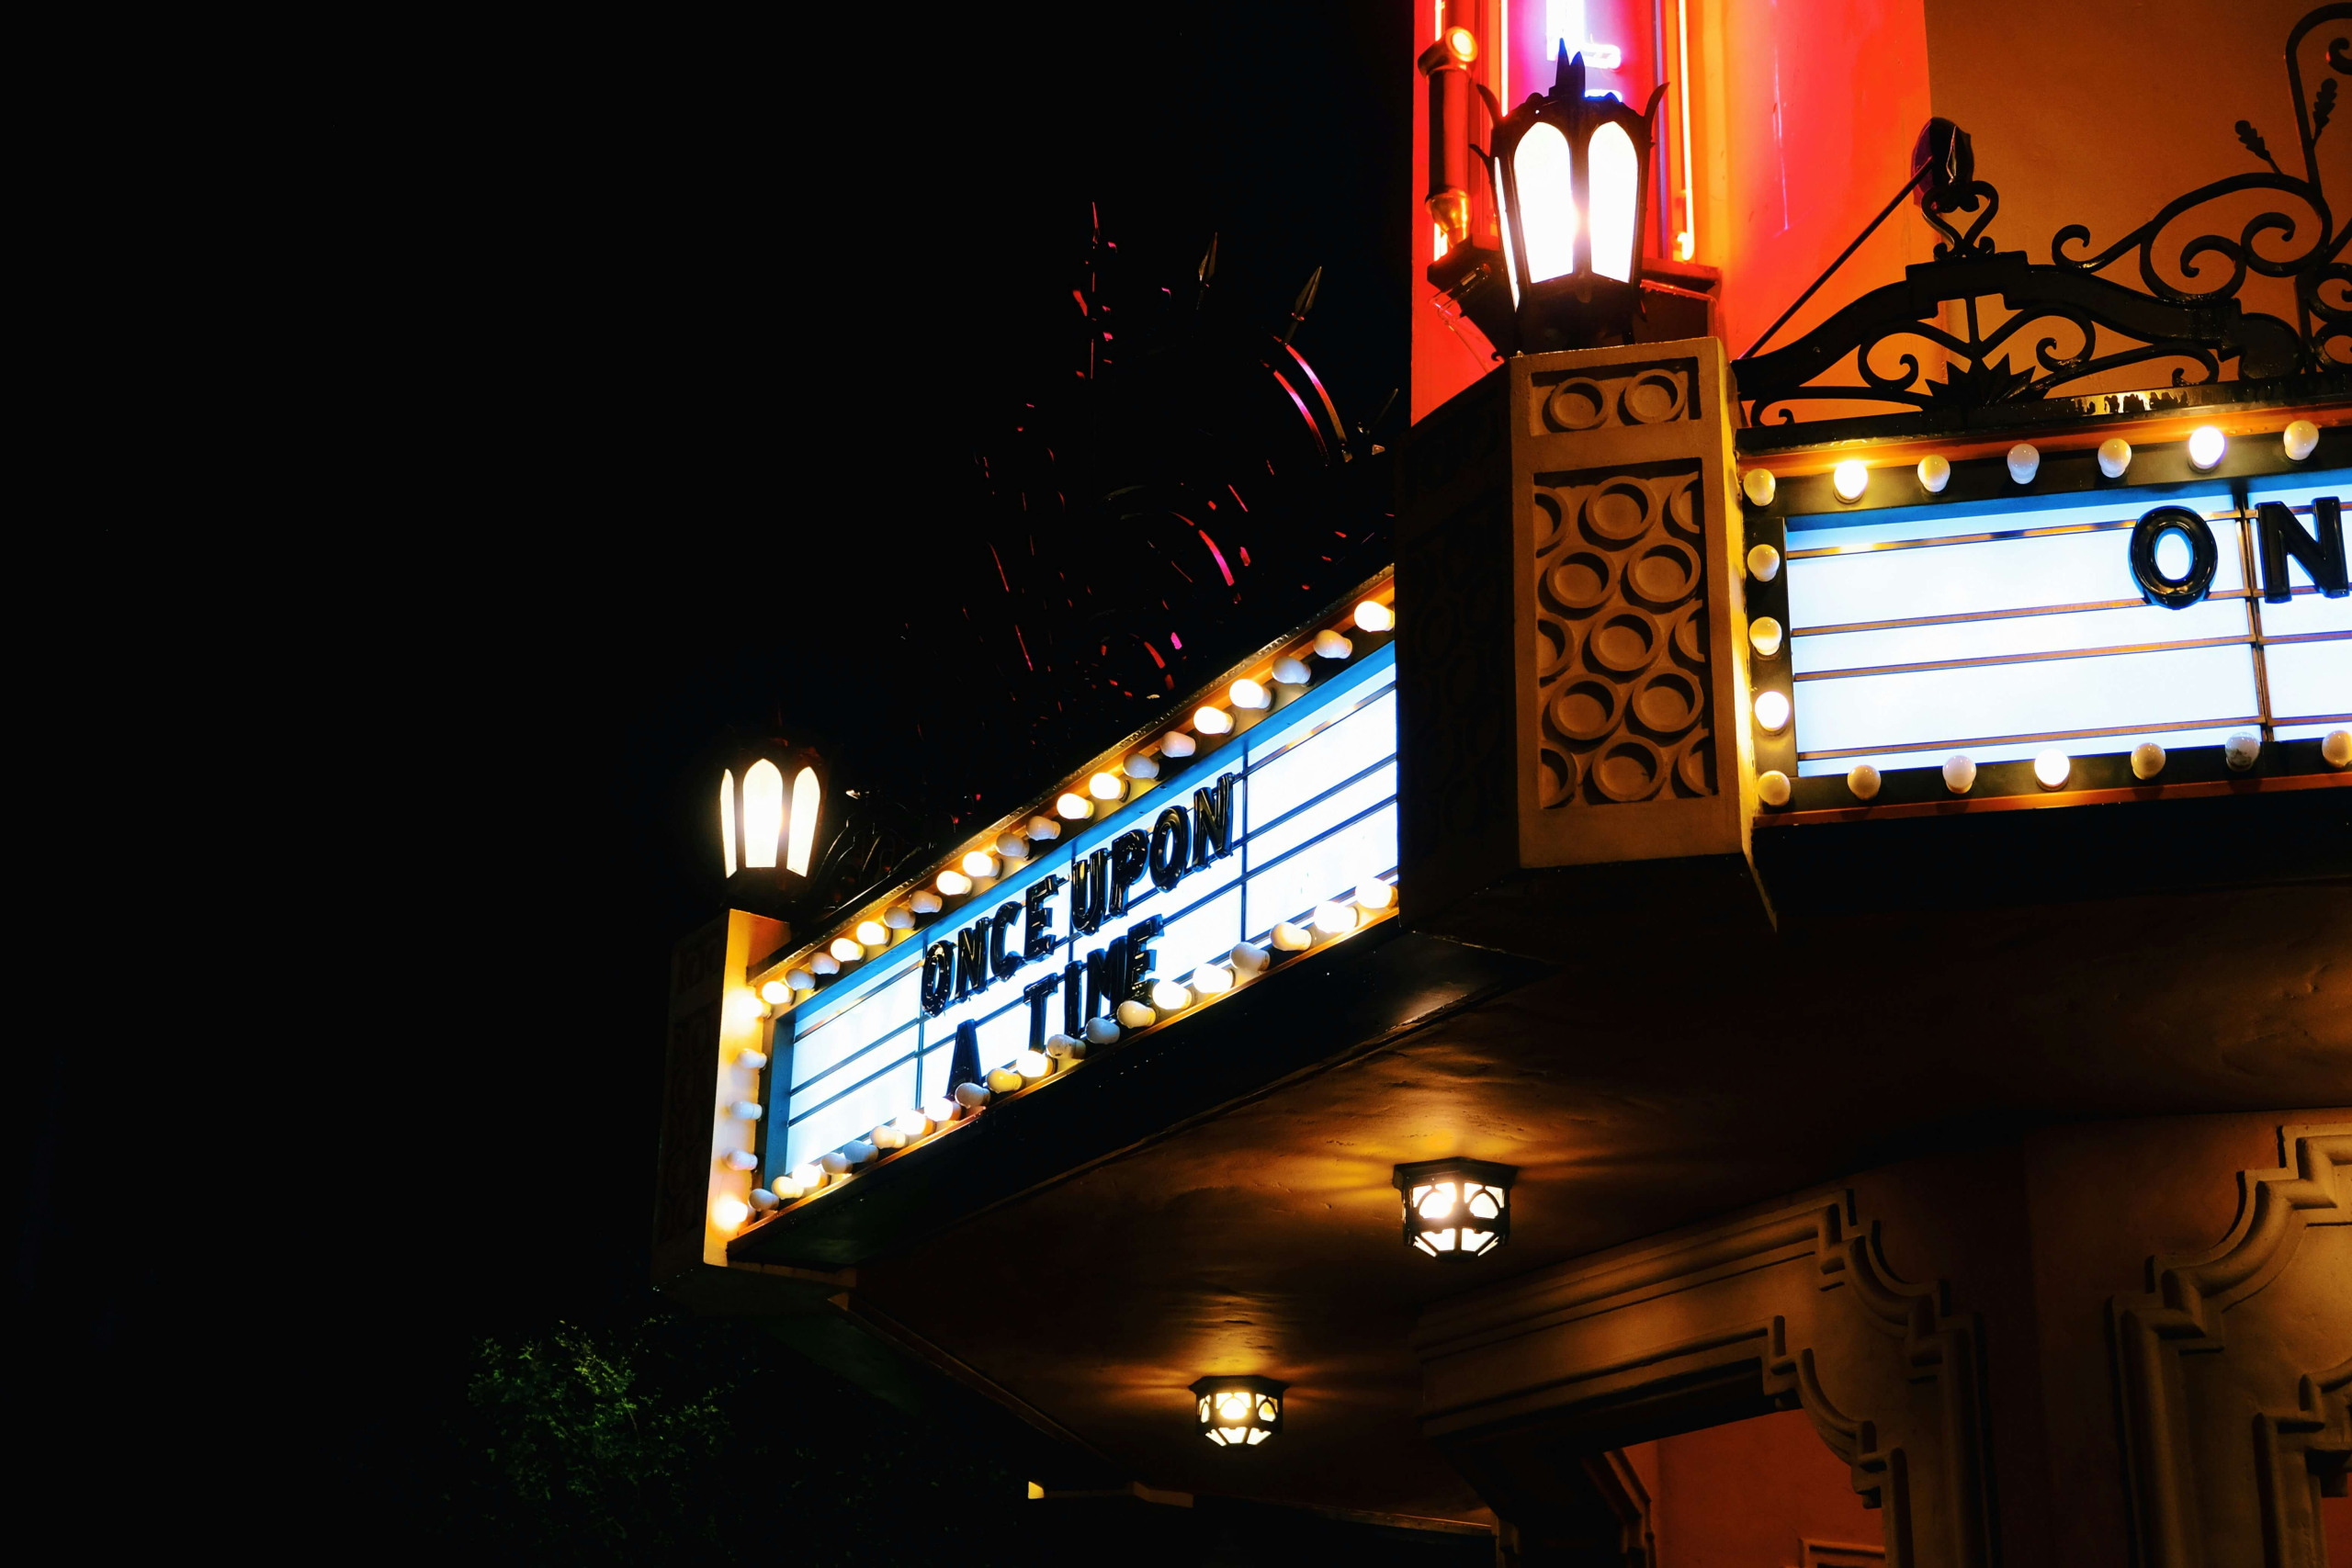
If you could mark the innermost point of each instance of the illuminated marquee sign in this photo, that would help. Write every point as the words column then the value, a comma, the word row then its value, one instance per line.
column 1236, row 847
column 2087, row 623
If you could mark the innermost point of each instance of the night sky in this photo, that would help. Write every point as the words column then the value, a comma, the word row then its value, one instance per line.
column 639, row 387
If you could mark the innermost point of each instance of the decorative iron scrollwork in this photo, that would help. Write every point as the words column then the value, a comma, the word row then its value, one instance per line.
column 2075, row 310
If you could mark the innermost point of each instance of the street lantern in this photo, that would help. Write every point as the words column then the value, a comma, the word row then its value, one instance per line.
column 1568, row 176
column 1456, row 1207
column 1572, row 177
column 772, row 799
column 1240, row 1412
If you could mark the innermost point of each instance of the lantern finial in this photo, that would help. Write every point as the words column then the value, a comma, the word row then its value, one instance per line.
column 1570, row 78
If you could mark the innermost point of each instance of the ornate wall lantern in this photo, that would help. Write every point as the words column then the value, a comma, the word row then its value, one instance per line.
column 1456, row 1207
column 1570, row 178
column 771, row 814
column 1573, row 176
column 1240, row 1412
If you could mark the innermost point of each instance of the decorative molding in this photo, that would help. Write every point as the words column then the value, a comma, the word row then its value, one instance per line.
column 2218, row 1347
column 1794, row 1307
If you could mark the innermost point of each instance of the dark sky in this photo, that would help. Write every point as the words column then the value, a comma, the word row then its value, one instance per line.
column 610, row 390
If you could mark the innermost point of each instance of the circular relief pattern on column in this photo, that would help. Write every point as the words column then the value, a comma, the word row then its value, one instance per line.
column 1553, row 646
column 1585, row 709
column 1667, row 701
column 1683, row 507
column 1653, row 397
column 1690, row 632
column 1583, row 579
column 1618, row 511
column 1625, row 640
column 1694, row 764
column 1577, row 403
column 1663, row 573
column 1555, row 777
column 1548, row 520
column 1628, row 768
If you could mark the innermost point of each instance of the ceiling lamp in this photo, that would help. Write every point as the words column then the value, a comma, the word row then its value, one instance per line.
column 1240, row 1412
column 1456, row 1207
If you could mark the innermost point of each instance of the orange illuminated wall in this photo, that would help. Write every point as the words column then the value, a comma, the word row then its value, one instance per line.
column 1752, row 1494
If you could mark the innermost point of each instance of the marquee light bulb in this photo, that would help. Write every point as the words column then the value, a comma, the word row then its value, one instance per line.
column 1210, row 720
column 1176, row 743
column 1291, row 938
column 825, row 964
column 899, row 918
column 1074, row 807
column 1012, row 846
column 912, row 1123
column 762, row 1200
column 2242, row 751
column 750, row 1061
column 746, row 1110
column 1107, row 786
column 1043, row 828
column 1759, row 486
column 2025, row 461
column 1289, row 672
column 2114, row 457
column 1850, row 478
column 2052, row 767
column 873, row 933
column 1935, row 472
column 800, row 980
column 1247, row 694
column 1863, row 781
column 1771, row 712
column 979, row 864
column 744, row 1010
column 1168, row 996
column 847, row 949
column 1372, row 616
column 1140, row 767
column 954, row 882
column 1033, row 1065
column 742, row 1160
column 2206, row 446
column 925, row 902
column 1376, row 895
column 1248, row 958
column 729, row 1211
column 1773, row 787
column 1136, row 1015
column 939, row 1109
column 1331, row 645
column 2302, row 440
column 1764, row 637
column 2336, row 750
column 1960, row 772
column 1334, row 919
column 1212, row 980
column 1462, row 46
column 1763, row 563
column 775, row 993
column 807, row 1173
column 2147, row 760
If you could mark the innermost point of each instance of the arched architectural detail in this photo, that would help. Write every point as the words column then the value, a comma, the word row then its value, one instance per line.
column 2252, row 1339
column 1794, row 1307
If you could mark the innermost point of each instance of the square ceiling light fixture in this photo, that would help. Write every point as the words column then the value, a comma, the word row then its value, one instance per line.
column 1456, row 1207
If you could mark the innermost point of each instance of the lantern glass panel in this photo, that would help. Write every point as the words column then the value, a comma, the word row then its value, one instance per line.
column 762, row 813
column 1613, row 178
column 808, row 799
column 727, row 818
column 1548, row 203
column 1502, row 211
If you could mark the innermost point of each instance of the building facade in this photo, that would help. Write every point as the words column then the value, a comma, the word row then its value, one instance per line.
column 1849, row 844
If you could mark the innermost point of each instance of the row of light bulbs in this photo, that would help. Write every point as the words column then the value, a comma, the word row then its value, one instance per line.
column 1331, row 920
column 1016, row 846
column 2207, row 445
column 2052, row 768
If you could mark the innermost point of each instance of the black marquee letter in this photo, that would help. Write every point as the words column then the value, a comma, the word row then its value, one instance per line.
column 1036, row 994
column 1140, row 957
column 1002, row 963
column 1172, row 846
column 938, row 978
column 1073, row 1000
column 1088, row 880
column 2173, row 594
column 972, row 975
column 1130, row 852
column 1212, row 822
column 2321, row 550
column 1106, row 975
column 1037, row 936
